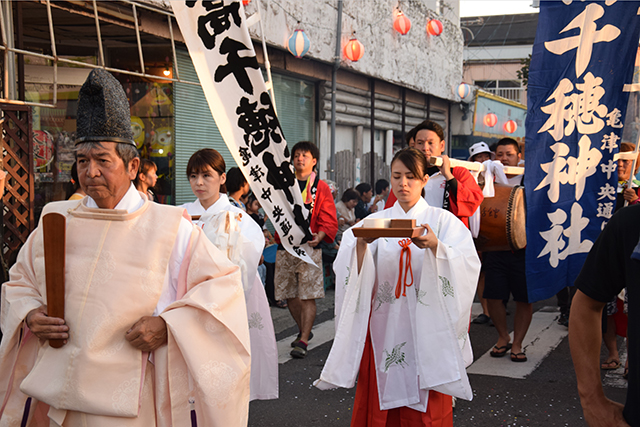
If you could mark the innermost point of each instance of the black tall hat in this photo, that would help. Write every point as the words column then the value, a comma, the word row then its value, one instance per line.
column 103, row 110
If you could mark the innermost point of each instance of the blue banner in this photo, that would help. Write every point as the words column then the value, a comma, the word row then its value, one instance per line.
column 582, row 57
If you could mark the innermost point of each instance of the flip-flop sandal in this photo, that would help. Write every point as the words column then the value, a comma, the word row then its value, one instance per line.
column 500, row 351
column 518, row 357
column 610, row 365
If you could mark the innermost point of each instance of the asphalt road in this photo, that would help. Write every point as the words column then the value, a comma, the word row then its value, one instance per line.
column 540, row 392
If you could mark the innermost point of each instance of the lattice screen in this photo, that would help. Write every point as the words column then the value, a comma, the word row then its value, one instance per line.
column 17, row 161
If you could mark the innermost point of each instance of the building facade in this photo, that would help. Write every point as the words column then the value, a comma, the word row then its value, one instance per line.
column 50, row 47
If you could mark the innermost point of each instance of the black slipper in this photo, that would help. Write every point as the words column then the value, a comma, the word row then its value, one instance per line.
column 500, row 351
column 518, row 357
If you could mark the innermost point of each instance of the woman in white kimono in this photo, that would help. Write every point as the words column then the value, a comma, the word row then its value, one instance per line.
column 239, row 236
column 402, row 311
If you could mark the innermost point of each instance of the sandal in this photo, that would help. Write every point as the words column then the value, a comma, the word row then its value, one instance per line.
column 281, row 304
column 295, row 342
column 610, row 365
column 518, row 357
column 299, row 351
column 500, row 351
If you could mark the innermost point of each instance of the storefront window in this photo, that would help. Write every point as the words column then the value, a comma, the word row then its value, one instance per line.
column 152, row 125
column 54, row 132
column 54, row 135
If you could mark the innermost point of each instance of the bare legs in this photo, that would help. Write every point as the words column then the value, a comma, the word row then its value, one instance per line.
column 522, row 320
column 483, row 301
column 304, row 313
column 609, row 339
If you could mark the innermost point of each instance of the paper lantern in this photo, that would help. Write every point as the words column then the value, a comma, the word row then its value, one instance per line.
column 510, row 126
column 402, row 24
column 245, row 2
column 463, row 90
column 354, row 50
column 298, row 44
column 434, row 27
column 490, row 120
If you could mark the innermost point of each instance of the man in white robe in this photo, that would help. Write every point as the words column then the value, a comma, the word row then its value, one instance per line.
column 155, row 326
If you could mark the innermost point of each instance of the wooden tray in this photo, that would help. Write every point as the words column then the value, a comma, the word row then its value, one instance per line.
column 396, row 232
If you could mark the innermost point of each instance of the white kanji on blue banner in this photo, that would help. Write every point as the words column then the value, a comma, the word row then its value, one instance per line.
column 582, row 56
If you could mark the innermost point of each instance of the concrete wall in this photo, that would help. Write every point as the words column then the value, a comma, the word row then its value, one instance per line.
column 424, row 63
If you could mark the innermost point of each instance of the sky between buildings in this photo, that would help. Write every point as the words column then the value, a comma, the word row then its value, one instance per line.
column 495, row 7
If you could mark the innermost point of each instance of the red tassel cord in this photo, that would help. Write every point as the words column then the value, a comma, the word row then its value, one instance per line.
column 408, row 271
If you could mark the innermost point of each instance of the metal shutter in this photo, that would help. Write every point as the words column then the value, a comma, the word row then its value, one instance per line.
column 295, row 104
column 194, row 129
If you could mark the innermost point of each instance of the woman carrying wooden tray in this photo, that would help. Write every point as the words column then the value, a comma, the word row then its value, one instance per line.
column 402, row 311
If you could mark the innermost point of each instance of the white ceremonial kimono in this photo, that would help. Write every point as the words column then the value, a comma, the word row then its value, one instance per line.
column 122, row 264
column 195, row 208
column 420, row 341
column 434, row 190
column 236, row 234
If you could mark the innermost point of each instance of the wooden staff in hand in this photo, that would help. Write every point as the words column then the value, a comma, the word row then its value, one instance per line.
column 48, row 323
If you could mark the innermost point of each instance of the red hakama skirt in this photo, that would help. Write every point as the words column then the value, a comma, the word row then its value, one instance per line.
column 366, row 407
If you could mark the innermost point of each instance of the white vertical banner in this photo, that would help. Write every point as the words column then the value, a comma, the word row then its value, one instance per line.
column 218, row 40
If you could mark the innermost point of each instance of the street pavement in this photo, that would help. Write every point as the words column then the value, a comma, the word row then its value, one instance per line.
column 539, row 392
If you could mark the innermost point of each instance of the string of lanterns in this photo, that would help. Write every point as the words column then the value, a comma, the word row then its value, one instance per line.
column 298, row 43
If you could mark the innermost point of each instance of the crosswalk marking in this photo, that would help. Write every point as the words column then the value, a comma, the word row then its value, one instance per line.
column 322, row 333
column 613, row 378
column 543, row 336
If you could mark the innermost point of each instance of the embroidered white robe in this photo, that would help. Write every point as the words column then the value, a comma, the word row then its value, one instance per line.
column 120, row 267
column 236, row 234
column 420, row 341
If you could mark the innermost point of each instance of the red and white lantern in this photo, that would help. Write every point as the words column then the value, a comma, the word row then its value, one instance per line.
column 354, row 50
column 434, row 27
column 402, row 24
column 490, row 120
column 510, row 126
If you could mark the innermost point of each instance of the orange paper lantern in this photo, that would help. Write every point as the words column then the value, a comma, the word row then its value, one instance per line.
column 354, row 50
column 510, row 126
column 490, row 120
column 245, row 2
column 434, row 27
column 402, row 24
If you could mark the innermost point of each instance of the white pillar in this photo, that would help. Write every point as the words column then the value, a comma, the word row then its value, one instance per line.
column 357, row 149
column 389, row 147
